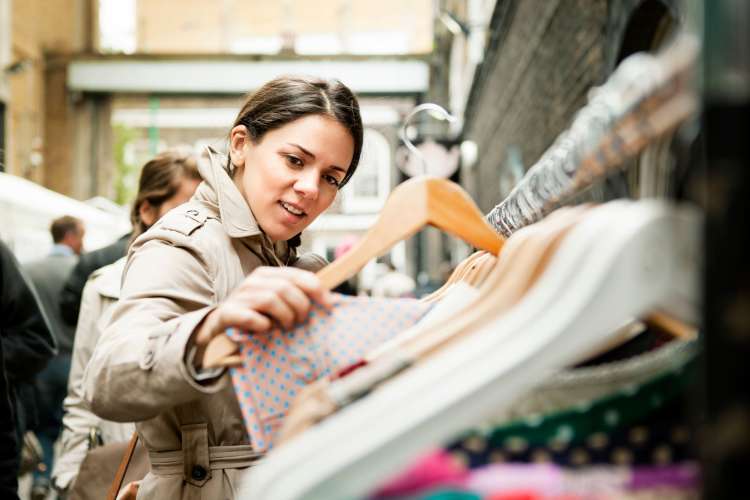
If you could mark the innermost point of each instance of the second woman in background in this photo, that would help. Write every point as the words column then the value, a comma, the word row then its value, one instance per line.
column 166, row 181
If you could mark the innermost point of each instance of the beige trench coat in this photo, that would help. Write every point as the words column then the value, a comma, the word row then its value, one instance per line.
column 175, row 275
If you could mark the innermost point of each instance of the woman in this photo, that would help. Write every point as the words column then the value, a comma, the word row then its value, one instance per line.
column 166, row 181
column 221, row 261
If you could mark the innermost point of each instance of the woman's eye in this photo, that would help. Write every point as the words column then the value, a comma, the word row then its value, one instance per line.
column 331, row 180
column 293, row 160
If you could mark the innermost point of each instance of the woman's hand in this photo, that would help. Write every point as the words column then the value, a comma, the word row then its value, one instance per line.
column 268, row 295
column 129, row 491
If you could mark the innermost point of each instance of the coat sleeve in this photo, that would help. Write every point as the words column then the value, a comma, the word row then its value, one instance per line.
column 27, row 339
column 71, row 293
column 79, row 419
column 137, row 370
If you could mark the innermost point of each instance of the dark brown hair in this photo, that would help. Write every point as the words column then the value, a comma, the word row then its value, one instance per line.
column 160, row 180
column 64, row 225
column 288, row 98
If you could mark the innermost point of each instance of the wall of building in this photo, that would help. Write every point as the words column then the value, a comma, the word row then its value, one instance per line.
column 5, row 61
column 258, row 26
column 544, row 57
column 40, row 125
column 550, row 53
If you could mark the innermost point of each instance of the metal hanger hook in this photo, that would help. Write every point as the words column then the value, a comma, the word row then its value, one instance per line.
column 436, row 111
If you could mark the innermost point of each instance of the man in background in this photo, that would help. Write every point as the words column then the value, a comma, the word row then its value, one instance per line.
column 48, row 276
column 393, row 283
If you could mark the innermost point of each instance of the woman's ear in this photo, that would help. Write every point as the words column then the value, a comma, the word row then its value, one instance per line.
column 147, row 213
column 238, row 139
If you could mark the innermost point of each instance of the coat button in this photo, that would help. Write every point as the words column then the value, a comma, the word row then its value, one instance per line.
column 149, row 357
column 194, row 213
column 198, row 473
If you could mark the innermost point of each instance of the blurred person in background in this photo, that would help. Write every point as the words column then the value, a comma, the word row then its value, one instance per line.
column 70, row 296
column 350, row 286
column 167, row 181
column 48, row 276
column 228, row 258
column 26, row 345
column 393, row 283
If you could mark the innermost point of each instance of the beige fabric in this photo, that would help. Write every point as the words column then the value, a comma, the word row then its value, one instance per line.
column 175, row 274
column 99, row 296
column 100, row 468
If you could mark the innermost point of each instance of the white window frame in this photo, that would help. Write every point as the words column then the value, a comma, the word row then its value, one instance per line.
column 351, row 202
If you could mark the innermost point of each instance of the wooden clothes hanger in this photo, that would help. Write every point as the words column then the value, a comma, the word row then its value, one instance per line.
column 412, row 205
column 502, row 288
column 478, row 273
column 631, row 260
column 456, row 276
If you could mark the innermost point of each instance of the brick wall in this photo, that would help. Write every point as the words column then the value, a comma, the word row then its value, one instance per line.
column 39, row 132
column 545, row 57
column 551, row 53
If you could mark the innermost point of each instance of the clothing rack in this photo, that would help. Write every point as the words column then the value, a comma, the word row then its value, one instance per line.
column 353, row 450
column 633, row 251
column 646, row 97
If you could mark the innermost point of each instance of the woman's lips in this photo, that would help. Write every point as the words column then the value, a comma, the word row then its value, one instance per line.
column 291, row 212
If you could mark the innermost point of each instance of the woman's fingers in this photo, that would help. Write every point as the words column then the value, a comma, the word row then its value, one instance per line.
column 270, row 294
column 271, row 304
column 244, row 318
column 308, row 282
column 129, row 491
column 291, row 294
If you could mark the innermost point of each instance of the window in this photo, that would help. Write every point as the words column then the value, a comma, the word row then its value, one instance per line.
column 370, row 185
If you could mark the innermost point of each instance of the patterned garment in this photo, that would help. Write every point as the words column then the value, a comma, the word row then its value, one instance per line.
column 276, row 365
column 548, row 480
column 639, row 425
column 661, row 493
column 633, row 443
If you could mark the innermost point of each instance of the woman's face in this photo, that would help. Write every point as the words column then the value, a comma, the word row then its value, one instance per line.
column 293, row 173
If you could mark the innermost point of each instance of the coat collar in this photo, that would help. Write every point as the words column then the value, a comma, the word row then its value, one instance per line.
column 220, row 192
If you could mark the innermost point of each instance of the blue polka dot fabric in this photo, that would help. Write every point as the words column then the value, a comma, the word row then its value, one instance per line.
column 278, row 364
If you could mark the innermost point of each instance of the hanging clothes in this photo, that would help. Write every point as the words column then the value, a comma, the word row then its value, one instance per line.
column 634, row 429
column 638, row 425
column 438, row 475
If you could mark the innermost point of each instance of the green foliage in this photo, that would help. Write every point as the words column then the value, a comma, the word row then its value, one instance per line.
column 126, row 167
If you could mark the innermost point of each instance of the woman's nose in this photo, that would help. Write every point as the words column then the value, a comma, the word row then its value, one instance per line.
column 307, row 184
